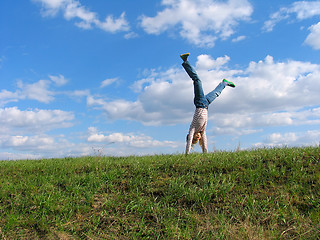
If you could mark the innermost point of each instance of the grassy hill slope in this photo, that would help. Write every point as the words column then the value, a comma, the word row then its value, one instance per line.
column 259, row 194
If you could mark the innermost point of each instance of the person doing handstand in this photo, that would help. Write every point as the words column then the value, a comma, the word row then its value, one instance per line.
column 197, row 130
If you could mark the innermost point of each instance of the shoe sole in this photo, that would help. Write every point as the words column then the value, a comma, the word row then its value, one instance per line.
column 230, row 84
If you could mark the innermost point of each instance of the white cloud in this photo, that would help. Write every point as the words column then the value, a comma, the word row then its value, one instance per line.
column 51, row 7
column 275, row 86
column 7, row 96
column 123, row 109
column 232, row 123
column 131, row 140
column 305, row 9
column 283, row 139
column 58, row 80
column 115, row 144
column 40, row 146
column 313, row 38
column 37, row 91
column 306, row 138
column 131, row 35
column 80, row 93
column 77, row 95
column 107, row 82
column 27, row 142
column 207, row 63
column 113, row 25
column 200, row 22
column 274, row 19
column 156, row 105
column 14, row 120
column 72, row 9
column 302, row 10
column 18, row 156
column 239, row 38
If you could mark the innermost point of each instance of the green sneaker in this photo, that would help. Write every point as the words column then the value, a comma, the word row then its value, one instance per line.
column 185, row 56
column 228, row 83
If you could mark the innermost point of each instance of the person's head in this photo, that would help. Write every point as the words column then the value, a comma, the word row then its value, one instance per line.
column 196, row 138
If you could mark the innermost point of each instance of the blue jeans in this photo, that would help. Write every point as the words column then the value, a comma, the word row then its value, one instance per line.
column 201, row 100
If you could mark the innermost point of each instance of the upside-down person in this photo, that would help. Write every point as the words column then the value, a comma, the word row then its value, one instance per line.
column 197, row 130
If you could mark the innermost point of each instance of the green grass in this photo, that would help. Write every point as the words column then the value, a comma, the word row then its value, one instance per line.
column 258, row 194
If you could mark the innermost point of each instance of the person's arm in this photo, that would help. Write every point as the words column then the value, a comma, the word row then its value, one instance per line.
column 204, row 142
column 189, row 140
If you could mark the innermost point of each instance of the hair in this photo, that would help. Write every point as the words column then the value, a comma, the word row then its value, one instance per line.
column 194, row 142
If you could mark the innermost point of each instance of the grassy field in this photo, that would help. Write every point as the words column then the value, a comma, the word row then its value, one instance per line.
column 258, row 194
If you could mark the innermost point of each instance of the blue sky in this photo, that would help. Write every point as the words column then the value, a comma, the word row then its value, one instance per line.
column 81, row 77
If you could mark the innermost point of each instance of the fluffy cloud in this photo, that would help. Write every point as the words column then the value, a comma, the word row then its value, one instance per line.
column 238, row 39
column 58, row 80
column 40, row 146
column 27, row 142
column 18, row 156
column 108, row 81
column 313, row 38
column 232, row 123
column 72, row 9
column 7, row 96
column 275, row 86
column 14, row 120
column 113, row 25
column 25, row 131
column 39, row 91
column 306, row 138
column 49, row 146
column 200, row 22
column 129, row 139
column 35, row 91
column 302, row 10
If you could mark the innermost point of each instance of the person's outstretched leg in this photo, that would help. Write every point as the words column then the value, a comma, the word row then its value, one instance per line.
column 211, row 96
column 189, row 69
column 199, row 98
